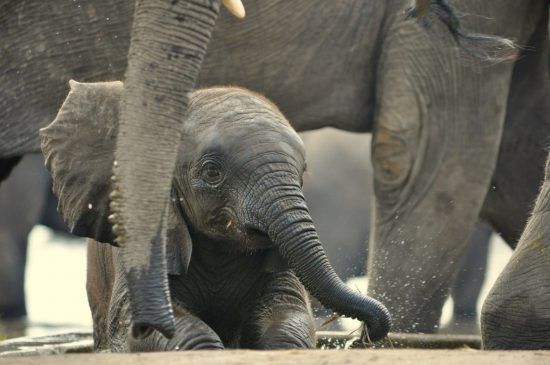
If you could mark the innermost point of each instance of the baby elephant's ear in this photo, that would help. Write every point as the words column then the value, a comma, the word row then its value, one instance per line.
column 79, row 149
column 178, row 240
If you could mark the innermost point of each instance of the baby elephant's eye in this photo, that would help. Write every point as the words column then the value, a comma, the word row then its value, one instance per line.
column 211, row 173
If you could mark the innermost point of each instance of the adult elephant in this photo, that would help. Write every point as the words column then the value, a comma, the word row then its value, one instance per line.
column 358, row 65
column 516, row 313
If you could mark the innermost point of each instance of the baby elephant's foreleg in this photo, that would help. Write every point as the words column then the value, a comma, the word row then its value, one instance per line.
column 282, row 318
column 191, row 334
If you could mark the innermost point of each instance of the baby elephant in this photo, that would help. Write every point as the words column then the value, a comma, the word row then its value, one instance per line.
column 240, row 245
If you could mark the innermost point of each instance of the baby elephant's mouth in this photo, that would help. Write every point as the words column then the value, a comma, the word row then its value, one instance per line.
column 257, row 237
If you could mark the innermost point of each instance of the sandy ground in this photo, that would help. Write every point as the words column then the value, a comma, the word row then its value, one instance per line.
column 302, row 357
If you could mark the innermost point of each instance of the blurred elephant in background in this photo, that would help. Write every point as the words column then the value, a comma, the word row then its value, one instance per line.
column 438, row 123
column 26, row 199
column 338, row 186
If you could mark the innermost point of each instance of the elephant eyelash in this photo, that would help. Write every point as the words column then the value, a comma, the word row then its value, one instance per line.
column 209, row 165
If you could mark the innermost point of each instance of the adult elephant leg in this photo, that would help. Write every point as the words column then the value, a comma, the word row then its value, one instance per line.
column 168, row 42
column 435, row 145
column 516, row 313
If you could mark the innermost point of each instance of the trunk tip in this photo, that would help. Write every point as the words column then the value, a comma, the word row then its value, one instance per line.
column 380, row 324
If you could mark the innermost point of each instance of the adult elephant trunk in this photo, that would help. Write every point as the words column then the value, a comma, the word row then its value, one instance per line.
column 168, row 43
column 291, row 228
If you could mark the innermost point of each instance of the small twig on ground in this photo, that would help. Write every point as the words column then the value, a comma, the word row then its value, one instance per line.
column 332, row 318
column 387, row 338
column 365, row 338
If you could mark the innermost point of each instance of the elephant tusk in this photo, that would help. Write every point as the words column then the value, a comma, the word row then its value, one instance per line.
column 229, row 223
column 421, row 7
column 418, row 9
column 235, row 7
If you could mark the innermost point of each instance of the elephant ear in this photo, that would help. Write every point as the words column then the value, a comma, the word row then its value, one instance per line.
column 79, row 147
column 79, row 150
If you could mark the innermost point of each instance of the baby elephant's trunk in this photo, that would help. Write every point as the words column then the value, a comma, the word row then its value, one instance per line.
column 291, row 228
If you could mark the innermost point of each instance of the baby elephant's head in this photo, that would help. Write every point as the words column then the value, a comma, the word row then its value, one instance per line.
column 237, row 181
column 239, row 157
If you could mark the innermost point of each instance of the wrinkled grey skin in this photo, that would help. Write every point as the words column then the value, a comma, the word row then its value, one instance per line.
column 336, row 183
column 229, row 298
column 426, row 200
column 437, row 121
column 25, row 200
column 239, row 236
column 515, row 314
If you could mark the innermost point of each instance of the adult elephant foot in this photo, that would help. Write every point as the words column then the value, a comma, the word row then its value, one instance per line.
column 516, row 314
